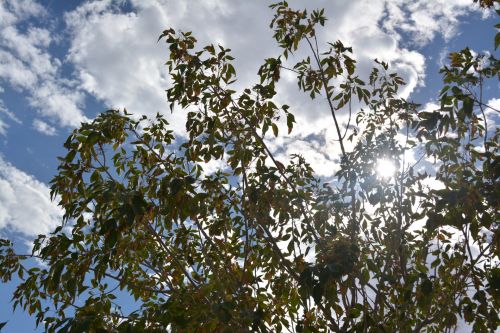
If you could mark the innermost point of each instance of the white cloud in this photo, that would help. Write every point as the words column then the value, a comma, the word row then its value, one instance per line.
column 322, row 163
column 43, row 127
column 492, row 116
column 27, row 65
column 13, row 11
column 119, row 62
column 9, row 115
column 424, row 19
column 13, row 71
column 25, row 204
column 3, row 127
column 117, row 58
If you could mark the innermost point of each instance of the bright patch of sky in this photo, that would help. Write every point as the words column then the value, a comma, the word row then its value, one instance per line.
column 63, row 62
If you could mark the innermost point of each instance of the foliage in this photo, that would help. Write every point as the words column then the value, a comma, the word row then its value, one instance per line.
column 262, row 244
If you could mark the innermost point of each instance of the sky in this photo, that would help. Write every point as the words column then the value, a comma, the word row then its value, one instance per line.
column 63, row 62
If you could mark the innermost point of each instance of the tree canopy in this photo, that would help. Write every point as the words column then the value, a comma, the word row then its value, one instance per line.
column 264, row 244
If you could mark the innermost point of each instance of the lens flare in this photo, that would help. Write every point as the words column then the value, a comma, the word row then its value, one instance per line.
column 385, row 168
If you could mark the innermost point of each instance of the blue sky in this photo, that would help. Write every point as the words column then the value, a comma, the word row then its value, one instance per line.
column 63, row 62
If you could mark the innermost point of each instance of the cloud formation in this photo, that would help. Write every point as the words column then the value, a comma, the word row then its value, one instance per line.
column 27, row 65
column 116, row 59
column 119, row 62
column 25, row 204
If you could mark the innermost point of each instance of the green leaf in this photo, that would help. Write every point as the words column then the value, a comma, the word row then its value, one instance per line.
column 70, row 156
column 93, row 138
column 426, row 287
column 275, row 129
column 354, row 312
column 494, row 278
column 364, row 277
column 468, row 106
column 290, row 120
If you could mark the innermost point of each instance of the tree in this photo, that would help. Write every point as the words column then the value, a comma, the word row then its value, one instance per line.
column 265, row 245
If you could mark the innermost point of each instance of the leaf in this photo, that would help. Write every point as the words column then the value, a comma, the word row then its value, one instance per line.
column 426, row 287
column 354, row 312
column 71, row 155
column 468, row 313
column 365, row 277
column 494, row 278
column 176, row 185
column 111, row 239
column 435, row 263
column 290, row 120
column 317, row 293
column 275, row 129
column 468, row 106
column 93, row 138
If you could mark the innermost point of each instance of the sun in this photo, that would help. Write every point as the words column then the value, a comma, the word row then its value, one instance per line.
column 385, row 168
